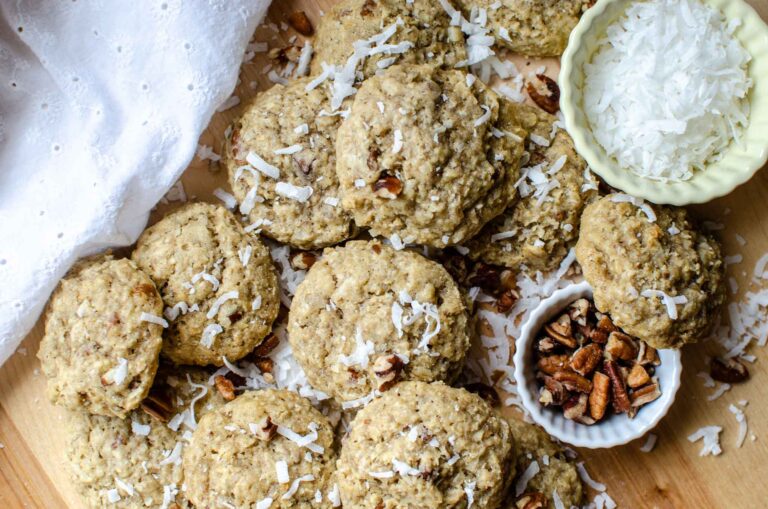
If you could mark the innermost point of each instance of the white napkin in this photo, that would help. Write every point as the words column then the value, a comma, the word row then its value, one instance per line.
column 102, row 103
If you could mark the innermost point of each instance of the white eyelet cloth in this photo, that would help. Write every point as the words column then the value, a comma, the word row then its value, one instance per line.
column 102, row 103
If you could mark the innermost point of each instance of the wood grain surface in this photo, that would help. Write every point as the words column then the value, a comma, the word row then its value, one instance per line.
column 33, row 470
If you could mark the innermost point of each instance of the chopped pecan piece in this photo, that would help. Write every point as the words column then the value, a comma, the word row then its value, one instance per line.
column 621, row 346
column 561, row 331
column 585, row 360
column 266, row 346
column 486, row 392
column 573, row 381
column 158, row 404
column 598, row 335
column 550, row 102
column 546, row 345
column 553, row 393
column 303, row 260
column 388, row 187
column 532, row 500
column 368, row 7
column 638, row 376
column 506, row 300
column 621, row 403
column 579, row 311
column 387, row 369
column 300, row 22
column 645, row 395
column 225, row 387
column 487, row 277
column 729, row 371
column 265, row 429
column 553, row 363
column 576, row 409
column 605, row 323
column 600, row 395
column 265, row 364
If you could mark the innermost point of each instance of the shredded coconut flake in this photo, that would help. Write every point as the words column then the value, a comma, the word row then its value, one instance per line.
column 281, row 470
column 298, row 193
column 711, row 440
column 665, row 91
column 530, row 472
column 738, row 413
column 307, row 440
column 650, row 443
column 209, row 334
column 295, row 485
column 587, row 479
column 637, row 202
column 670, row 302
column 264, row 167
column 149, row 317
column 234, row 294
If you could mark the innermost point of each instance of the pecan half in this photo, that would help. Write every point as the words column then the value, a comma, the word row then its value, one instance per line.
column 265, row 429
column 387, row 369
column 300, row 22
column 549, row 103
column 533, row 500
column 621, row 403
column 561, row 331
column 621, row 346
column 645, row 395
column 585, row 360
column 729, row 371
column 638, row 376
column 486, row 392
column 388, row 187
column 573, row 381
column 265, row 364
column 225, row 387
column 600, row 395
column 553, row 363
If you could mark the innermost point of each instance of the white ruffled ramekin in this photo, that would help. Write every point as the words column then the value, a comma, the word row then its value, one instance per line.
column 613, row 430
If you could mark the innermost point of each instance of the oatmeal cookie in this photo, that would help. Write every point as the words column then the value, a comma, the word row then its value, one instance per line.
column 556, row 471
column 426, row 446
column 535, row 28
column 286, row 128
column 367, row 316
column 138, row 459
column 628, row 257
column 239, row 453
column 427, row 155
column 539, row 229
column 423, row 26
column 218, row 283
column 99, row 352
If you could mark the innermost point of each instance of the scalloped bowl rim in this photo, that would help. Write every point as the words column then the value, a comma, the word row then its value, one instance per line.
column 613, row 431
column 736, row 167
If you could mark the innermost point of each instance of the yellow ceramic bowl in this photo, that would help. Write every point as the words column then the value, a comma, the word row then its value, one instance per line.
column 739, row 162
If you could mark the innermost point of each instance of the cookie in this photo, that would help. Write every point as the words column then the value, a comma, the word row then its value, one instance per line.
column 264, row 445
column 367, row 316
column 101, row 345
column 218, row 284
column 556, row 472
column 288, row 128
column 658, row 277
column 427, row 155
column 539, row 229
column 421, row 33
column 426, row 446
column 535, row 28
column 135, row 462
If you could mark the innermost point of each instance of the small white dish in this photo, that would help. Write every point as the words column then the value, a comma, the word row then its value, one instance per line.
column 613, row 430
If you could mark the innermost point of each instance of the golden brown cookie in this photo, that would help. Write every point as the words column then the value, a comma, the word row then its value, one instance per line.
column 102, row 341
column 218, row 284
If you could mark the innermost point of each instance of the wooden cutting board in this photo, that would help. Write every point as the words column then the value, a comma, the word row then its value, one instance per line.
column 33, row 472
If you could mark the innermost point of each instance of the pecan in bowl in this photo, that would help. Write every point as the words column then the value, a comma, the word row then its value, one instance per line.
column 584, row 380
